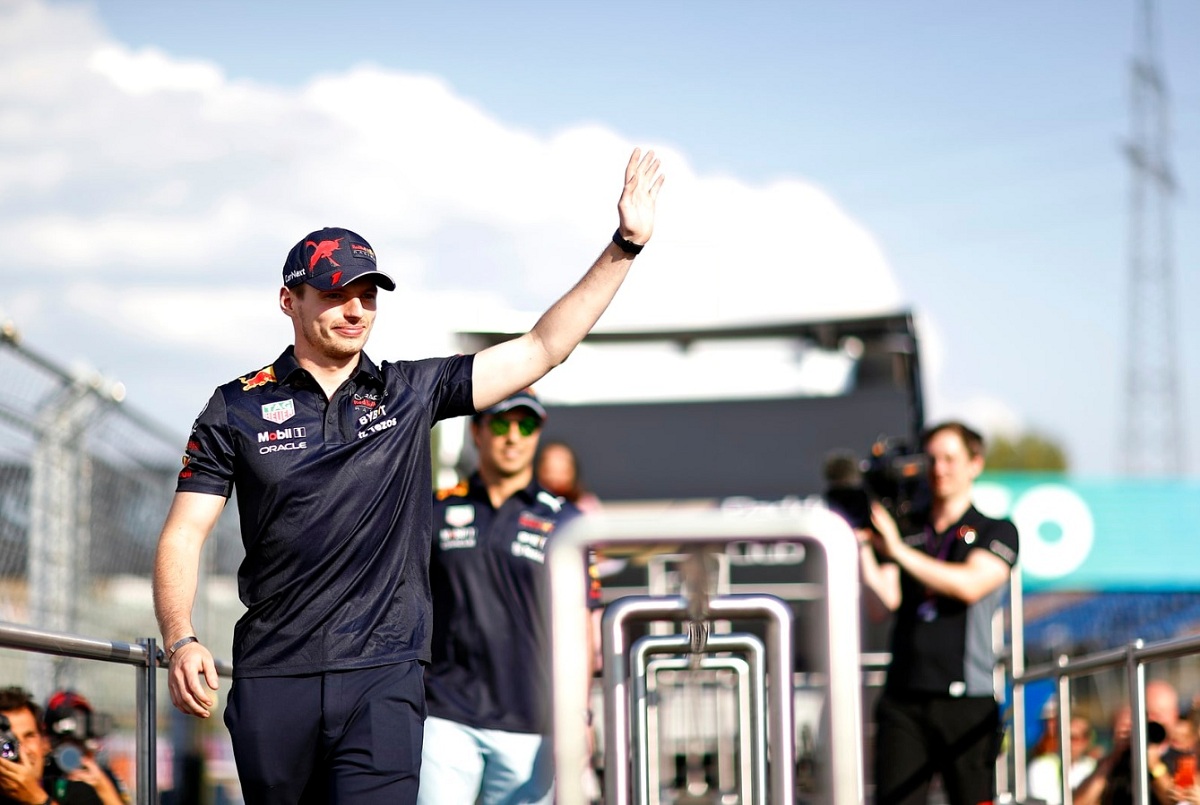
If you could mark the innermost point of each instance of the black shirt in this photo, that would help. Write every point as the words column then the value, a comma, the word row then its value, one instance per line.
column 491, row 641
column 334, row 498
column 942, row 645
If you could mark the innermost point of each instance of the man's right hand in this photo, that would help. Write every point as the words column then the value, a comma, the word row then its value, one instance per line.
column 192, row 680
column 91, row 774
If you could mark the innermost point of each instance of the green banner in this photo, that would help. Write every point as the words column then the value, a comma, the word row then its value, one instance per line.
column 1099, row 534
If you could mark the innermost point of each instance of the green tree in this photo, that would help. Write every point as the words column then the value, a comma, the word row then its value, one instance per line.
column 1029, row 451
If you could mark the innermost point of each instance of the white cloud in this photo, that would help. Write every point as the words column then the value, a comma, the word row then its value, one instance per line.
column 151, row 70
column 154, row 195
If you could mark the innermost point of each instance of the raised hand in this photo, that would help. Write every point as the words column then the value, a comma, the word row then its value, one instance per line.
column 638, row 197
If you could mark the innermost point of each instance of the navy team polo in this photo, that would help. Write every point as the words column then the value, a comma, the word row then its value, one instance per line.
column 334, row 499
column 491, row 634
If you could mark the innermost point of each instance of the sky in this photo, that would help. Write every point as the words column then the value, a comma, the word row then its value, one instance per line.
column 958, row 159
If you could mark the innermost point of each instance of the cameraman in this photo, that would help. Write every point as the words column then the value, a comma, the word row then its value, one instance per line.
column 938, row 712
column 74, row 730
column 25, row 779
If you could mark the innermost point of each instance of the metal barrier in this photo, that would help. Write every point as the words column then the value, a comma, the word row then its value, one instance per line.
column 815, row 528
column 617, row 706
column 751, row 690
column 687, row 682
column 1133, row 658
column 143, row 655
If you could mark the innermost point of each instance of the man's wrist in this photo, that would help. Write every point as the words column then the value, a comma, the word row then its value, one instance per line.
column 180, row 643
column 627, row 246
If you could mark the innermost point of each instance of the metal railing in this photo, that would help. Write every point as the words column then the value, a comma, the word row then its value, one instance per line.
column 1134, row 658
column 144, row 655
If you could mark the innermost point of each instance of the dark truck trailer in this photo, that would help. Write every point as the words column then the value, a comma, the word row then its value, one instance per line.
column 742, row 446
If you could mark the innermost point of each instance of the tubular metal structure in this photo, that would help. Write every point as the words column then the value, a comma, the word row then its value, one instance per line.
column 827, row 540
column 752, row 732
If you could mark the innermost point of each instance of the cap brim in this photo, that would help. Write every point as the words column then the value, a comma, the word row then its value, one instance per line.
column 323, row 283
column 517, row 402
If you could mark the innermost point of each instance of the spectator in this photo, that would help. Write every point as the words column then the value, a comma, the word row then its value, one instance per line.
column 1111, row 782
column 488, row 686
column 558, row 471
column 74, row 729
column 938, row 713
column 27, row 779
column 1044, row 780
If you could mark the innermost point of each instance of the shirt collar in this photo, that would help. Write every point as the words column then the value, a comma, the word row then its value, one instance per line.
column 477, row 487
column 289, row 370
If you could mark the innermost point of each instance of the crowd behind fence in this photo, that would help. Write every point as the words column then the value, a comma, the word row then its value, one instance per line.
column 85, row 481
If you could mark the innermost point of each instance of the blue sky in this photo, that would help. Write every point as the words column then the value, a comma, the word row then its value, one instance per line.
column 961, row 159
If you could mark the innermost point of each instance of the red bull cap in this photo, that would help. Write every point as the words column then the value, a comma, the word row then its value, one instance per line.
column 332, row 258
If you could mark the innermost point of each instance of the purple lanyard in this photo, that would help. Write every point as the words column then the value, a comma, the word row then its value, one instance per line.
column 944, row 549
column 928, row 609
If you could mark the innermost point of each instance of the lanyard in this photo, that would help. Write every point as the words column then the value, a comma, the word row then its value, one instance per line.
column 943, row 549
column 927, row 610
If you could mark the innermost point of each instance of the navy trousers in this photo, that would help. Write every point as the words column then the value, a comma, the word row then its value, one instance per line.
column 337, row 737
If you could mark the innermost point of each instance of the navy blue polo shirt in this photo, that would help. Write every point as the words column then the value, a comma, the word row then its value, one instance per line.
column 491, row 633
column 334, row 498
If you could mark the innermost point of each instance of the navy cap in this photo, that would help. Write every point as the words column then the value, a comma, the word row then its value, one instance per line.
column 525, row 398
column 332, row 258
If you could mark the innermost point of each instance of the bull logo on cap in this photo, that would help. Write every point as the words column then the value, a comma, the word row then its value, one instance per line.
column 324, row 249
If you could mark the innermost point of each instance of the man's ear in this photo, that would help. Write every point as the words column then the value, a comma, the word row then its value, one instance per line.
column 286, row 301
column 976, row 465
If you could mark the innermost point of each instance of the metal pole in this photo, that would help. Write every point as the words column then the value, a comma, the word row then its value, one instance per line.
column 1064, row 737
column 1135, row 673
column 147, row 728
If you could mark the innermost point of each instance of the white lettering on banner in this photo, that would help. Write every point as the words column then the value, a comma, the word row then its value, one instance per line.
column 765, row 553
column 283, row 433
column 1054, row 524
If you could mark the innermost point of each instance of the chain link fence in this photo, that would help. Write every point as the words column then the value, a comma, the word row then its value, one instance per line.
column 85, row 482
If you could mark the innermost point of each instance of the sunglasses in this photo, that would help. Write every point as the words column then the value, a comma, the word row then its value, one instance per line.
column 528, row 425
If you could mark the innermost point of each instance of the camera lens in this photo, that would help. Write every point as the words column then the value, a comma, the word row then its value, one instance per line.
column 69, row 758
column 1155, row 733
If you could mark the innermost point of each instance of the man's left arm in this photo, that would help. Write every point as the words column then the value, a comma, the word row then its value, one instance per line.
column 502, row 369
